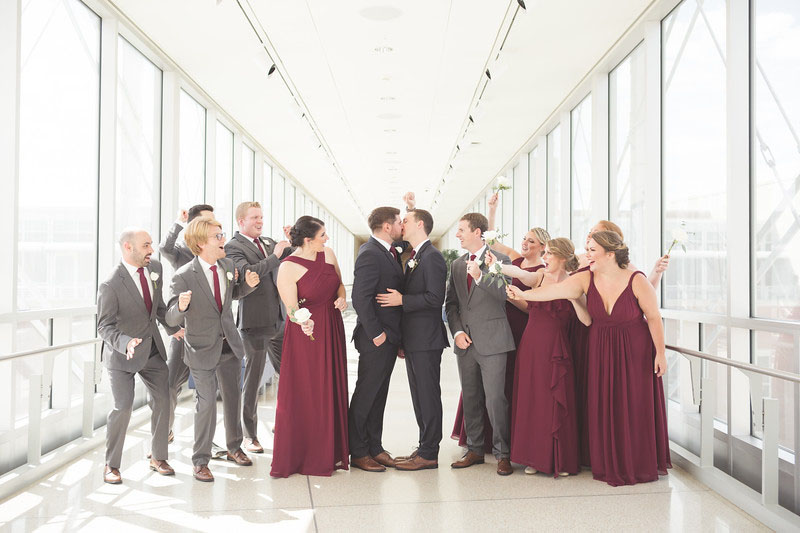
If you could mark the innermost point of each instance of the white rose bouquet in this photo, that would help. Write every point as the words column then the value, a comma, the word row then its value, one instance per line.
column 502, row 184
column 680, row 237
column 300, row 316
column 492, row 236
column 495, row 274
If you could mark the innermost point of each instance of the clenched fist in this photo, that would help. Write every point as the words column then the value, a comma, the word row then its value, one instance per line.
column 251, row 278
column 132, row 344
column 184, row 299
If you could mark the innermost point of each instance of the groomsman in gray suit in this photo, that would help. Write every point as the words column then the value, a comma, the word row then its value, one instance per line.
column 476, row 314
column 128, row 304
column 202, row 292
column 260, row 316
column 178, row 254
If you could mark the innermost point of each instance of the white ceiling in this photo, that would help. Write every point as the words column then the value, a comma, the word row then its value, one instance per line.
column 391, row 120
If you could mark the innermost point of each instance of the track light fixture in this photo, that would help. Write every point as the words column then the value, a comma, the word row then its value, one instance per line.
column 272, row 70
column 522, row 4
column 488, row 74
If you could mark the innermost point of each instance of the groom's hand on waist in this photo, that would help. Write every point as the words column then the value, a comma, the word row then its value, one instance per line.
column 390, row 299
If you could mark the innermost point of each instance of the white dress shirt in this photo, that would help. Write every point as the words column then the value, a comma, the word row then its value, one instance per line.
column 221, row 274
column 417, row 247
column 134, row 272
column 477, row 256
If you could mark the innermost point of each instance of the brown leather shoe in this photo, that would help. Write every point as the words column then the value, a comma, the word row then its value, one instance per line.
column 239, row 458
column 504, row 467
column 111, row 475
column 385, row 459
column 402, row 458
column 367, row 463
column 469, row 459
column 417, row 463
column 162, row 467
column 202, row 473
column 253, row 446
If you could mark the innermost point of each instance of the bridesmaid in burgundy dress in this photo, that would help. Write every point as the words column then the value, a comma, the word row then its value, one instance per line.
column 626, row 414
column 529, row 259
column 544, row 427
column 579, row 335
column 311, row 414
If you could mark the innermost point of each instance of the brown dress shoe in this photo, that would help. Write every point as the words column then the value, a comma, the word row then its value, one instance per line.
column 111, row 475
column 202, row 473
column 504, row 467
column 385, row 459
column 402, row 458
column 162, row 467
column 239, row 458
column 254, row 446
column 417, row 463
column 367, row 463
column 469, row 459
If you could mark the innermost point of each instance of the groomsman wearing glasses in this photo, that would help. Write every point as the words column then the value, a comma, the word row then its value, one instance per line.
column 129, row 303
column 202, row 292
column 260, row 316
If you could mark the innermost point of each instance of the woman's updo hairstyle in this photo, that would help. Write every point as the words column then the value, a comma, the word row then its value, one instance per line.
column 607, row 225
column 306, row 226
column 541, row 234
column 564, row 249
column 610, row 241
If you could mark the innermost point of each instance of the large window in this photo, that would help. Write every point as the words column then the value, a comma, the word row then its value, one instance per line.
column 58, row 155
column 694, row 154
column 776, row 195
column 278, row 217
column 248, row 173
column 626, row 146
column 537, row 217
column 554, row 188
column 138, row 141
column 192, row 152
column 223, row 179
column 581, row 171
column 266, row 200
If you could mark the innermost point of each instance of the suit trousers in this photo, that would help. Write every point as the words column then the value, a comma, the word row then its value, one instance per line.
column 154, row 375
column 483, row 381
column 365, row 416
column 178, row 375
column 226, row 377
column 424, row 370
column 257, row 343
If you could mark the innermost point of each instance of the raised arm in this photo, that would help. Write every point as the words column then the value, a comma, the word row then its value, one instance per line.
column 646, row 295
column 658, row 270
column 528, row 278
column 571, row 288
column 169, row 247
column 499, row 246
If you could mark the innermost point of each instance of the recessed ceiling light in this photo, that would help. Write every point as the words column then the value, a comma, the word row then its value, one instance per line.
column 387, row 98
column 392, row 169
column 390, row 130
column 384, row 49
column 391, row 153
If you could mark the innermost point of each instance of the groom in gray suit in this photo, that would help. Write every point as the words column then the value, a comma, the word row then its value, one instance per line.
column 213, row 349
column 128, row 304
column 476, row 314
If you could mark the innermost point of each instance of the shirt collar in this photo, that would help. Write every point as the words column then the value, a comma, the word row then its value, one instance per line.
column 479, row 253
column 417, row 247
column 133, row 270
column 385, row 244
column 206, row 266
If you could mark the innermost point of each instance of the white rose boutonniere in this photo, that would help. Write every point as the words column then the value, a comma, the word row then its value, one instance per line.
column 229, row 275
column 154, row 278
column 412, row 264
column 398, row 249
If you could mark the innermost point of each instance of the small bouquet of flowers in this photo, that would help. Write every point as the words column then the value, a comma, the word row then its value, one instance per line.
column 301, row 315
column 680, row 237
column 494, row 273
column 492, row 236
column 502, row 184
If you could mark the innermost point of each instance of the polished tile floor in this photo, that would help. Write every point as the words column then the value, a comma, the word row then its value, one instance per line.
column 246, row 498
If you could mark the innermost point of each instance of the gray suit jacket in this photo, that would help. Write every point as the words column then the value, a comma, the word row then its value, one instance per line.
column 177, row 253
column 262, row 307
column 122, row 316
column 481, row 312
column 206, row 326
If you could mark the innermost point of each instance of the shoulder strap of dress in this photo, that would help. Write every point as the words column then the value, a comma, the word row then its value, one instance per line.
column 630, row 280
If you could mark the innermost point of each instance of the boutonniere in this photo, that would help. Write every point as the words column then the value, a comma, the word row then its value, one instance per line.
column 154, row 278
column 412, row 264
column 398, row 249
column 229, row 276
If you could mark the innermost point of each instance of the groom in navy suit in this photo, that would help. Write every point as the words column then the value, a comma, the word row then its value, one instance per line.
column 377, row 338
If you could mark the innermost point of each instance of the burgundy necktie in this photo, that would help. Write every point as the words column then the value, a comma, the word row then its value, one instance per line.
column 469, row 278
column 217, row 296
column 258, row 243
column 394, row 253
column 148, row 302
column 413, row 253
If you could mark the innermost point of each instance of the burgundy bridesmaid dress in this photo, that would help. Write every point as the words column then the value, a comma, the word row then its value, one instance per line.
column 579, row 339
column 626, row 411
column 311, row 414
column 518, row 320
column 544, row 428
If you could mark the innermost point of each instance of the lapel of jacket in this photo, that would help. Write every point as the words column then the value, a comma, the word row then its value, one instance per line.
column 483, row 280
column 127, row 281
column 226, row 303
column 417, row 258
column 388, row 255
column 249, row 245
column 154, row 290
column 201, row 279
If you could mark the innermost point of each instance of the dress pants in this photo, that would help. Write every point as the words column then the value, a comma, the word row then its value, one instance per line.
column 178, row 375
column 226, row 377
column 424, row 370
column 365, row 416
column 483, row 381
column 154, row 375
column 257, row 342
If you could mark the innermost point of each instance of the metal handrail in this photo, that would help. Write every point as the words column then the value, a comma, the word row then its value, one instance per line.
column 48, row 349
column 780, row 374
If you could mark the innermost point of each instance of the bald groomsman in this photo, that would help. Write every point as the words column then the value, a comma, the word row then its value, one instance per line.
column 202, row 293
column 260, row 317
column 128, row 304
column 178, row 254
